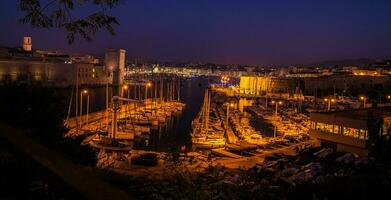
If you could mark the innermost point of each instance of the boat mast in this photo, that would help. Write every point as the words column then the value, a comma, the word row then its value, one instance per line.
column 173, row 89
column 154, row 98
column 168, row 91
column 179, row 88
column 77, row 99
column 70, row 104
column 203, row 115
column 207, row 112
column 161, row 89
column 107, row 101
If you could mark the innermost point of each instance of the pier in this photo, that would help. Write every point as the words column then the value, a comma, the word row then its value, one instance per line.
column 225, row 153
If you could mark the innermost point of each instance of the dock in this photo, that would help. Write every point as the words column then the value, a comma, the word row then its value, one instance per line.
column 241, row 147
column 225, row 153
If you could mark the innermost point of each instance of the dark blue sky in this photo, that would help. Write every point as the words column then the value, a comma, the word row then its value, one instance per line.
column 229, row 31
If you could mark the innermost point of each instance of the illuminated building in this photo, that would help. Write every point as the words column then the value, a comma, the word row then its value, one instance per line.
column 27, row 43
column 254, row 85
column 362, row 72
column 49, row 68
column 115, row 65
column 57, row 74
column 343, row 82
column 352, row 130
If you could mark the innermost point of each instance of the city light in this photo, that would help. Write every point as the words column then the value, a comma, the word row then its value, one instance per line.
column 277, row 102
column 228, row 110
column 329, row 101
column 364, row 99
column 224, row 79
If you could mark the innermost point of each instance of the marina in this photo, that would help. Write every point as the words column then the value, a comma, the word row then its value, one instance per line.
column 152, row 114
column 152, row 123
column 194, row 100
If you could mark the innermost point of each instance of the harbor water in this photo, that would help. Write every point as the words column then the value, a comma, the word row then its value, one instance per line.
column 166, row 137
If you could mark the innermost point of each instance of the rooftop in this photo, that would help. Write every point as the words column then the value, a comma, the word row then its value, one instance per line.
column 360, row 114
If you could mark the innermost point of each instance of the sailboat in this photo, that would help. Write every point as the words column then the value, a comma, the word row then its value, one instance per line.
column 203, row 135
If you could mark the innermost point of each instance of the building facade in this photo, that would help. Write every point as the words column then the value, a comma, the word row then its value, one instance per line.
column 49, row 68
column 345, row 82
column 352, row 130
column 57, row 74
column 115, row 65
column 256, row 85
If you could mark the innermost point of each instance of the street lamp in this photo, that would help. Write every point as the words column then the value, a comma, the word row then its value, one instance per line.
column 276, row 103
column 124, row 87
column 329, row 101
column 389, row 97
column 149, row 84
column 224, row 80
column 228, row 105
column 88, row 107
column 81, row 103
column 364, row 99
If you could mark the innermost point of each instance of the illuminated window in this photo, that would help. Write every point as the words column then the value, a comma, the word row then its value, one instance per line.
column 324, row 127
column 346, row 131
column 355, row 133
column 363, row 134
column 335, row 129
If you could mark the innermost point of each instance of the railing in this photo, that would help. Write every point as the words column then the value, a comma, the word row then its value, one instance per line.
column 337, row 138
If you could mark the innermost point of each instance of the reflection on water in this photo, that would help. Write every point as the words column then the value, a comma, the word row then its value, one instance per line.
column 168, row 136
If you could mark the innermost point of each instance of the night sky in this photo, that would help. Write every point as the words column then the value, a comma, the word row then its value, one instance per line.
column 229, row 31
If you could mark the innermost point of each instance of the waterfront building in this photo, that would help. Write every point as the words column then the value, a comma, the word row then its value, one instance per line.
column 352, row 130
column 57, row 74
column 49, row 68
column 27, row 43
column 257, row 85
column 344, row 82
column 254, row 85
column 115, row 65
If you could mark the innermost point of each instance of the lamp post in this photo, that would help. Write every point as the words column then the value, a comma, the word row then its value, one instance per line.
column 149, row 84
column 224, row 80
column 388, row 97
column 124, row 87
column 228, row 105
column 88, row 107
column 364, row 99
column 81, row 104
column 329, row 101
column 276, row 103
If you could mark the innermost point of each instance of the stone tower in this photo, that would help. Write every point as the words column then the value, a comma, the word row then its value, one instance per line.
column 27, row 44
column 115, row 65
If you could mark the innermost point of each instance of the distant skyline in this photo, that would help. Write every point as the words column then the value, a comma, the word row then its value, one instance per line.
column 253, row 32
